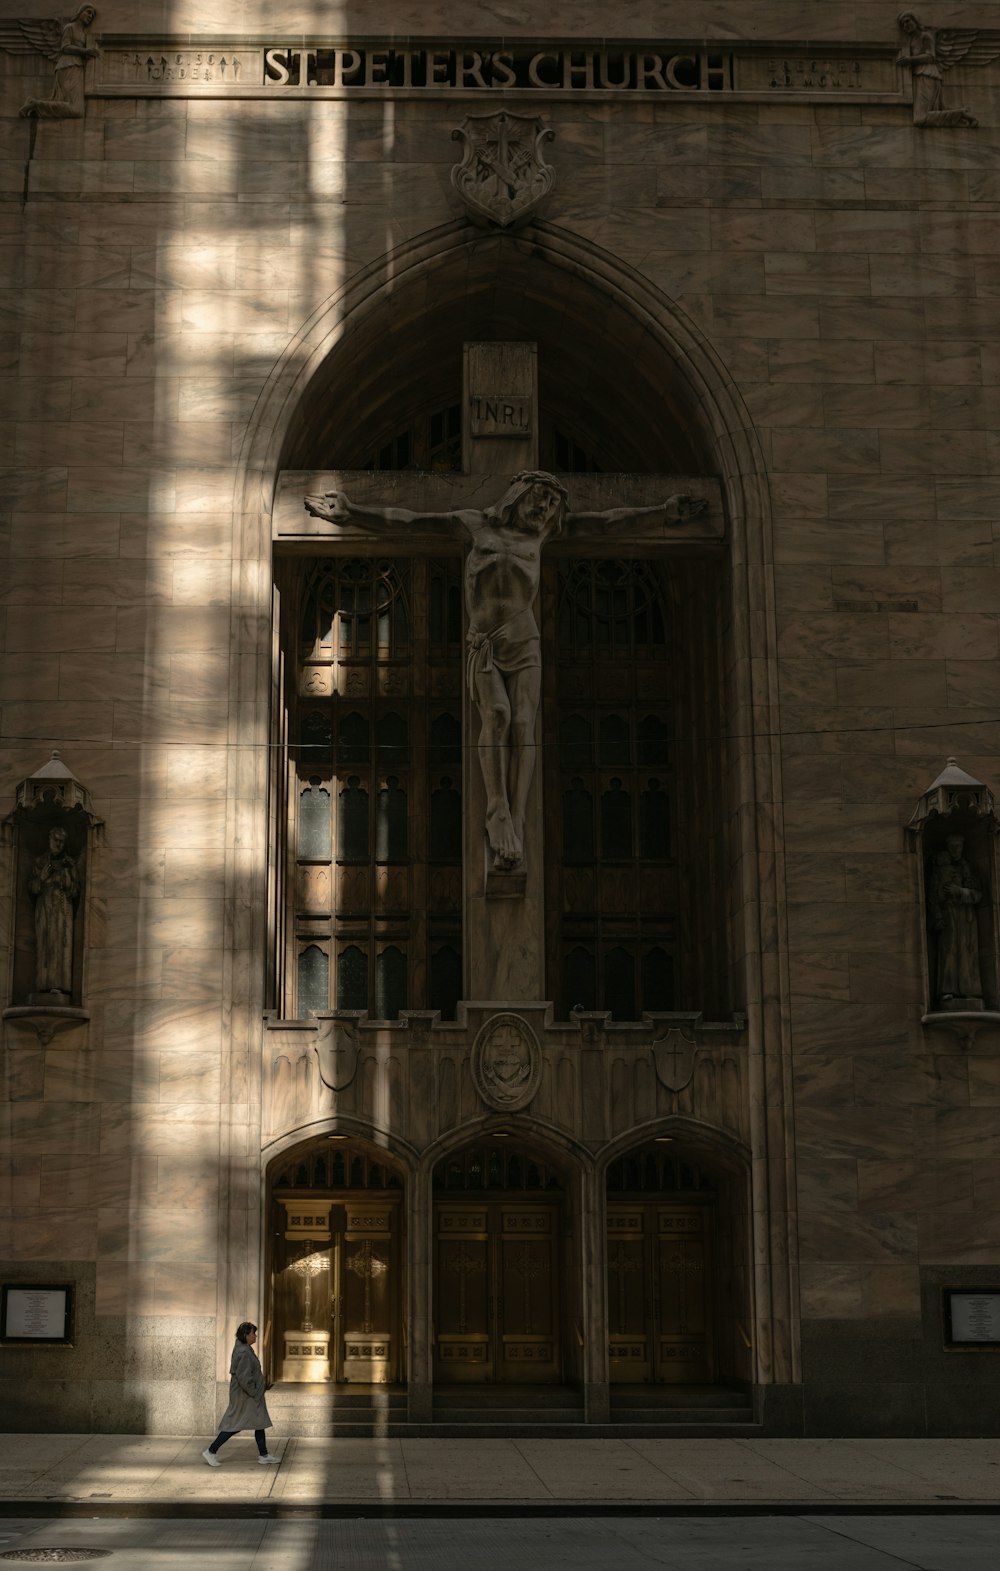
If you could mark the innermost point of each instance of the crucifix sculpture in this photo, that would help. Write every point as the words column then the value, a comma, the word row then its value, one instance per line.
column 502, row 571
column 504, row 524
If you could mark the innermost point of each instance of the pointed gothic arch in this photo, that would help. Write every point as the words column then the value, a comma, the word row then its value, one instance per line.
column 645, row 327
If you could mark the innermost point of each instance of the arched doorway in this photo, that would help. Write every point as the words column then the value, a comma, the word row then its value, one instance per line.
column 504, row 1268
column 678, row 1267
column 337, row 1233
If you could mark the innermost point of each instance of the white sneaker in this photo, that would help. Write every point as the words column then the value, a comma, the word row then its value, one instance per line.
column 269, row 1461
column 211, row 1459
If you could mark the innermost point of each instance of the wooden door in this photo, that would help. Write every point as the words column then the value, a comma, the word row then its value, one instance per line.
column 659, row 1301
column 496, row 1305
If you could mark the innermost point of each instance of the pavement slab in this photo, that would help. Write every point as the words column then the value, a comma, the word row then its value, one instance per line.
column 417, row 1473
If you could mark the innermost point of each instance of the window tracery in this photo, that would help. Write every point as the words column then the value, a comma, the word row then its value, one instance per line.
column 611, row 885
column 375, row 922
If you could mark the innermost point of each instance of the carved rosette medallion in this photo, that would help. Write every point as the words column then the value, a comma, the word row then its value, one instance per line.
column 506, row 1063
column 502, row 177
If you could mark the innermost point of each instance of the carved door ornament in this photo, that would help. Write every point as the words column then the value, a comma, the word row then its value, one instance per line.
column 673, row 1058
column 506, row 1063
column 954, row 831
column 337, row 1048
column 52, row 830
column 503, row 177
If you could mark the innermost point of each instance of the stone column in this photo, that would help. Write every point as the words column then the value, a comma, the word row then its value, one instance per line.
column 596, row 1390
column 419, row 1298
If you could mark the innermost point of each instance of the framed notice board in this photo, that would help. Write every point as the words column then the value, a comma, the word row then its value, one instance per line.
column 972, row 1319
column 39, row 1313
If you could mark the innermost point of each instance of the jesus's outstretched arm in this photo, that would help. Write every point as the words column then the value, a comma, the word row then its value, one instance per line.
column 675, row 510
column 337, row 508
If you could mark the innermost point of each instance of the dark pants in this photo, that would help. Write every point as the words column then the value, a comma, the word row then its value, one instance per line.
column 227, row 1434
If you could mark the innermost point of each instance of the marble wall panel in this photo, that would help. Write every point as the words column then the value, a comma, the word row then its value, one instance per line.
column 984, row 1081
column 830, row 1291
column 819, row 973
column 154, row 1234
column 956, row 1238
column 23, row 1073
column 101, row 1075
column 966, row 541
column 914, row 1185
column 36, row 398
column 68, row 1234
column 29, row 677
column 960, row 1133
column 134, row 1287
column 197, row 535
column 824, row 1186
column 823, row 1025
column 834, row 1132
column 881, row 1238
column 805, row 540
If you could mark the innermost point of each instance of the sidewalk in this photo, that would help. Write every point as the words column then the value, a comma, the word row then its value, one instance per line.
column 145, row 1471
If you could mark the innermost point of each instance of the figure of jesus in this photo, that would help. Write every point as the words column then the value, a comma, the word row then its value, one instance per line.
column 502, row 572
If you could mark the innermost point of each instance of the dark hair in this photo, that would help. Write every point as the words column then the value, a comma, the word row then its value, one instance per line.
column 243, row 1328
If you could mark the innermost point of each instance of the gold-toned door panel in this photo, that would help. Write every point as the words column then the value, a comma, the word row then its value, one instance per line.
column 342, row 1291
column 496, row 1310
column 659, row 1300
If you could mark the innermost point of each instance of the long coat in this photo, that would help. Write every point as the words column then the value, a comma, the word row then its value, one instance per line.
column 247, row 1408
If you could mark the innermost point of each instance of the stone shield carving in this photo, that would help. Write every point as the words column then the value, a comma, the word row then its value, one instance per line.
column 506, row 1063
column 338, row 1052
column 673, row 1056
column 502, row 177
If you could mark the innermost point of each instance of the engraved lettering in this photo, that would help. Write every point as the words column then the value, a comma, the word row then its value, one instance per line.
column 535, row 70
column 502, row 61
column 378, row 68
column 651, row 71
column 674, row 64
column 297, row 56
column 471, row 69
column 604, row 76
column 275, row 67
column 574, row 75
column 347, row 64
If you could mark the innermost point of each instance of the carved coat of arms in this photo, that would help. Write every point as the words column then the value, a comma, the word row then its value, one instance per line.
column 502, row 177
column 337, row 1050
column 506, row 1063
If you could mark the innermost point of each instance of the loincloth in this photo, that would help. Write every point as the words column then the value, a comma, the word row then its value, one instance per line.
column 513, row 646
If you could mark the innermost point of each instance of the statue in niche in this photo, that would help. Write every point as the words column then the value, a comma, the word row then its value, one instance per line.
column 954, row 894
column 502, row 572
column 67, row 45
column 928, row 52
column 55, row 887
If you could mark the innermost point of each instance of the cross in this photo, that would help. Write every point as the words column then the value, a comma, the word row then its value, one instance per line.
column 506, row 521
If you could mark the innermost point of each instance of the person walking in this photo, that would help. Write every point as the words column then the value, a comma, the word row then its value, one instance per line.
column 247, row 1408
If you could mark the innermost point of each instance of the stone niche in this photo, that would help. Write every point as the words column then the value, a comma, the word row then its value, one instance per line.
column 52, row 830
column 953, row 831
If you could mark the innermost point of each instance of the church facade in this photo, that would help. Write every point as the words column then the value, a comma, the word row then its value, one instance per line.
column 498, row 719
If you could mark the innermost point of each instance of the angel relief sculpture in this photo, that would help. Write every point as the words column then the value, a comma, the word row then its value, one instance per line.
column 67, row 45
column 928, row 52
